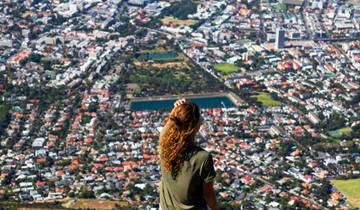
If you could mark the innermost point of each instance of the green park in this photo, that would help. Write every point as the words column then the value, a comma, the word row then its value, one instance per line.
column 265, row 99
column 340, row 132
column 226, row 68
column 163, row 56
column 351, row 190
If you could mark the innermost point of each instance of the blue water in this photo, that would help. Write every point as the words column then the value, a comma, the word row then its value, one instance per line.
column 158, row 56
column 203, row 103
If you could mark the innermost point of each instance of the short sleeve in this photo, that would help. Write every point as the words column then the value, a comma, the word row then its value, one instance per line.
column 207, row 171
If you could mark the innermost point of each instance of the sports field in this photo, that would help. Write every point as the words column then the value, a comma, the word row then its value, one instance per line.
column 266, row 100
column 226, row 67
column 351, row 189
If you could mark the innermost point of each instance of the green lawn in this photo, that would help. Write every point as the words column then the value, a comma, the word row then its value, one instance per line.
column 351, row 189
column 266, row 100
column 226, row 67
column 340, row 132
column 345, row 130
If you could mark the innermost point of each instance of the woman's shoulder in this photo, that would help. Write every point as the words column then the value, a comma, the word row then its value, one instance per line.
column 199, row 153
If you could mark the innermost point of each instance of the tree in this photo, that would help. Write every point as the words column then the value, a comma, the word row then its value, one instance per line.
column 285, row 148
column 36, row 58
column 141, row 33
column 71, row 194
column 181, row 9
column 334, row 122
column 5, row 116
column 84, row 193
column 324, row 190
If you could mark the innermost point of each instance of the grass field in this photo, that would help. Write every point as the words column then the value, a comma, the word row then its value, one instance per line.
column 164, row 56
column 345, row 130
column 174, row 21
column 179, row 64
column 266, row 100
column 226, row 67
column 340, row 132
column 179, row 61
column 154, row 50
column 351, row 189
column 171, row 65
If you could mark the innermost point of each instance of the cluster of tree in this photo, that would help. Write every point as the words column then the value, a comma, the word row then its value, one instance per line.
column 355, row 131
column 171, row 81
column 257, row 62
column 285, row 147
column 334, row 122
column 324, row 190
column 308, row 140
column 198, row 24
column 58, row 19
column 5, row 116
column 181, row 9
column 126, row 28
column 88, row 194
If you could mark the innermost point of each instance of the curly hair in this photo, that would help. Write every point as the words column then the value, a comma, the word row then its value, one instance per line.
column 181, row 128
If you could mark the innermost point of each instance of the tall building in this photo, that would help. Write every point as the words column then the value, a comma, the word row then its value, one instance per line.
column 280, row 38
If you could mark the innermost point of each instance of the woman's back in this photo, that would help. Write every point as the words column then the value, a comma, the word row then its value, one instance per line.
column 185, row 191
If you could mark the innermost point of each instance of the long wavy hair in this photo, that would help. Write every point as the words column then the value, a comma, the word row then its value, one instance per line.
column 181, row 127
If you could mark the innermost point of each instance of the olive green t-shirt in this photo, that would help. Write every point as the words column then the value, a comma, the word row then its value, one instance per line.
column 186, row 190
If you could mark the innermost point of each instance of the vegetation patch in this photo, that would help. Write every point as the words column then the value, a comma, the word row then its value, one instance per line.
column 155, row 81
column 165, row 56
column 16, row 205
column 345, row 130
column 351, row 189
column 181, row 9
column 171, row 65
column 154, row 50
column 280, row 7
column 266, row 100
column 4, row 115
column 226, row 67
column 340, row 132
column 162, row 60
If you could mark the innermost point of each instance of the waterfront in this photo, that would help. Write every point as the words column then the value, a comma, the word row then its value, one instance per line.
column 203, row 102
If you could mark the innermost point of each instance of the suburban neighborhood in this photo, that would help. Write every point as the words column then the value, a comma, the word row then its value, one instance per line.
column 72, row 70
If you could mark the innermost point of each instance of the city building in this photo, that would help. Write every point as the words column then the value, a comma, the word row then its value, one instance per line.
column 280, row 38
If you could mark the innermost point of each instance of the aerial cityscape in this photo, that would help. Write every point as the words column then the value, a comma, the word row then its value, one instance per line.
column 85, row 87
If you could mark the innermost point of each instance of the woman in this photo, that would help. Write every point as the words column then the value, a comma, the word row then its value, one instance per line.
column 187, row 170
